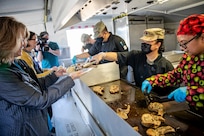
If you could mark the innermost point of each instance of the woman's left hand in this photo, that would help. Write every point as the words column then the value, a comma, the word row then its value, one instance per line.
column 60, row 72
column 179, row 94
column 76, row 74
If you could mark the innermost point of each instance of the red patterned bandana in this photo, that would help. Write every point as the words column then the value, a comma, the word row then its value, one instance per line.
column 191, row 25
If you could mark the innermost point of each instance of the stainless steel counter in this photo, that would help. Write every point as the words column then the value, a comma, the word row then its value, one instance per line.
column 173, row 56
column 67, row 119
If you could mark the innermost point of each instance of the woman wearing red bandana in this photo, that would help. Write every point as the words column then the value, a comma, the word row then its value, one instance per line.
column 190, row 71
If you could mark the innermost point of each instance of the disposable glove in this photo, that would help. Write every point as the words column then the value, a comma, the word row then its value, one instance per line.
column 179, row 94
column 74, row 59
column 146, row 87
column 98, row 57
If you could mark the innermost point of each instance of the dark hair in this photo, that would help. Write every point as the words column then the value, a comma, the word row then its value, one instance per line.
column 43, row 33
column 161, row 48
column 31, row 35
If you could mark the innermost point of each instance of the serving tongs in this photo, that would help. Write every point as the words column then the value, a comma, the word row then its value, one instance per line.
column 157, row 98
column 148, row 97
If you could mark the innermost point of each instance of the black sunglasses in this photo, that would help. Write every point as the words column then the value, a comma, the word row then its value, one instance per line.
column 185, row 44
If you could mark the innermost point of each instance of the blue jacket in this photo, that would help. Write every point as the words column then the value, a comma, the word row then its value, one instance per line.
column 23, row 102
column 50, row 60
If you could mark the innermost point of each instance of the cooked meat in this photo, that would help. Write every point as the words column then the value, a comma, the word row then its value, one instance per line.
column 150, row 120
column 157, row 107
column 70, row 69
column 78, row 67
column 98, row 89
column 152, row 132
column 114, row 89
column 123, row 112
column 160, row 131
column 165, row 129
column 136, row 128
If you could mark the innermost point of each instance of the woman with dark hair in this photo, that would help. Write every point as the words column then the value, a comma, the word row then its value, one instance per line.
column 23, row 102
column 28, row 55
column 45, row 78
column 33, row 41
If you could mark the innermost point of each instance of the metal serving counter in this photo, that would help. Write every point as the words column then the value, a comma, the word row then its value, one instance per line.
column 67, row 119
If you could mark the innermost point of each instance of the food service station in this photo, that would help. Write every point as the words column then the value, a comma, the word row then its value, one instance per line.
column 83, row 112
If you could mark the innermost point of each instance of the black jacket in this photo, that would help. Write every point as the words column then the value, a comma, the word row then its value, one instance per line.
column 113, row 44
column 44, row 82
column 23, row 104
column 141, row 69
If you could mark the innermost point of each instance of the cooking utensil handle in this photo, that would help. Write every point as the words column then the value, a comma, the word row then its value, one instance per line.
column 147, row 97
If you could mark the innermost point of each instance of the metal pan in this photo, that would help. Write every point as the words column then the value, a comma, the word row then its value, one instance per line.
column 133, row 96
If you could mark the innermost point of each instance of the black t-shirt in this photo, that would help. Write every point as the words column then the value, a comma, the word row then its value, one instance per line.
column 141, row 69
column 113, row 44
column 87, row 46
column 95, row 49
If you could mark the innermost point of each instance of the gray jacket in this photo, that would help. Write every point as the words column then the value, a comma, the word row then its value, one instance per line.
column 23, row 104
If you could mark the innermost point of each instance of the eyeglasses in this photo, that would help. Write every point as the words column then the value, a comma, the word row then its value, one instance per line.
column 34, row 39
column 185, row 44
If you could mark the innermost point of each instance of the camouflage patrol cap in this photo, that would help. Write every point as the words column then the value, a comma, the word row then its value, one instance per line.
column 152, row 34
column 98, row 28
column 85, row 38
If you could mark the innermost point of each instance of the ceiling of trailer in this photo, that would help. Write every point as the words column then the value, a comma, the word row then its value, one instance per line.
column 171, row 10
column 32, row 12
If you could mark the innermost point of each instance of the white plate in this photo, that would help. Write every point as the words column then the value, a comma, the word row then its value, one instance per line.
column 84, row 71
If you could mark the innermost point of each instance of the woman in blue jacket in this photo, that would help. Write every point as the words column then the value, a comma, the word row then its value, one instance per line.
column 23, row 102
